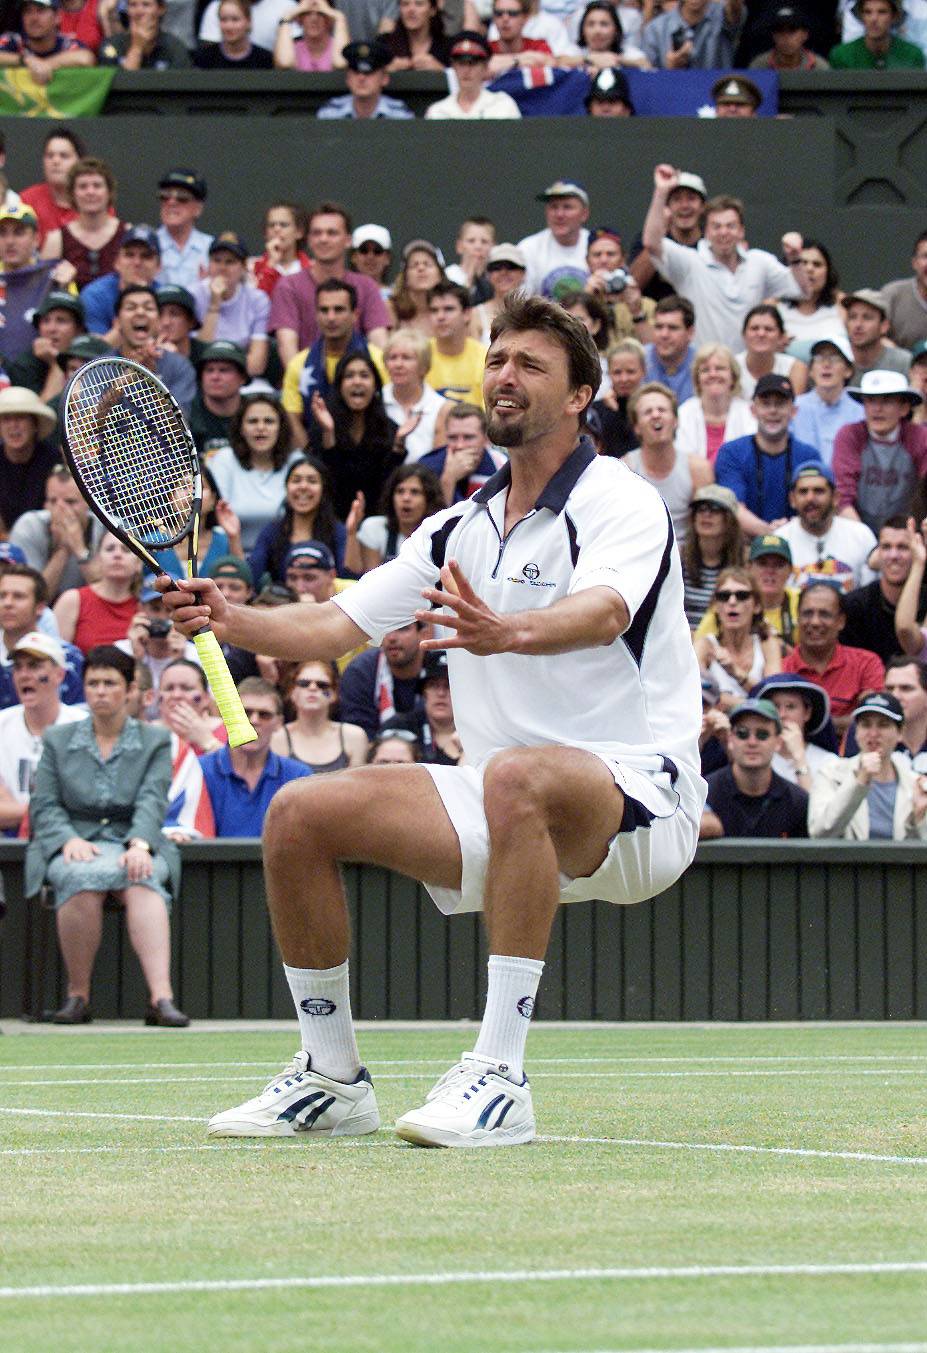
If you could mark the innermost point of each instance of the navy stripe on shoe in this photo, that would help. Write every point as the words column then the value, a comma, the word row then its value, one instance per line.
column 310, row 1119
column 483, row 1119
column 298, row 1105
column 499, row 1121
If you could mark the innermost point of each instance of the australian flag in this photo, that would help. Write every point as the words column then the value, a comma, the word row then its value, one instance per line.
column 542, row 91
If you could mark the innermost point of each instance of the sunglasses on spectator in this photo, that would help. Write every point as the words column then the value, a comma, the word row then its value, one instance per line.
column 171, row 195
column 505, row 267
column 263, row 714
column 306, row 683
column 370, row 248
column 761, row 734
column 733, row 594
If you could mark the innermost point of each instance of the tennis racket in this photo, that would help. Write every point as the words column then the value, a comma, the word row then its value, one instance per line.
column 132, row 457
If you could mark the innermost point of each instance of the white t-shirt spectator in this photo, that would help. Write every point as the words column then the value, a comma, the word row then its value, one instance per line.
column 550, row 262
column 839, row 556
column 20, row 750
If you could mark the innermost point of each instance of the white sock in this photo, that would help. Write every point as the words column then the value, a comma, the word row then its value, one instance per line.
column 323, row 1008
column 513, row 984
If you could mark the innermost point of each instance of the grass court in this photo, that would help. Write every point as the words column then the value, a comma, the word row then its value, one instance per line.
column 693, row 1188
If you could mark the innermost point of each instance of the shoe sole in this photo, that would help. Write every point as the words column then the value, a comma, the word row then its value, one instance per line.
column 418, row 1135
column 354, row 1127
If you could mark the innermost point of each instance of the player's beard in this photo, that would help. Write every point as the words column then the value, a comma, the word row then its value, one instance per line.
column 501, row 433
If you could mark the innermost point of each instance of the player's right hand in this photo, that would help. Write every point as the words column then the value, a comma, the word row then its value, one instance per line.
column 193, row 602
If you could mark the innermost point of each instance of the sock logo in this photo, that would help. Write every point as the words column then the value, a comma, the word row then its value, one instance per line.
column 525, row 1006
column 318, row 1005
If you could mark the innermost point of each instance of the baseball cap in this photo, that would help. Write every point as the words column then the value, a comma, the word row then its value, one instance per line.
column 564, row 188
column 718, row 495
column 142, row 234
column 809, row 690
column 185, row 178
column 84, row 346
column 230, row 241
column 435, row 665
column 773, row 384
column 310, row 554
column 59, row 300
column 813, row 469
column 506, row 253
column 12, row 554
column 879, row 382
column 880, row 702
column 694, row 182
column 230, row 566
column 919, row 351
column 366, row 57
column 765, row 708
column 172, row 294
column 21, row 212
column 770, row 545
column 788, row 17
column 868, row 296
column 40, row 645
column 223, row 350
column 736, row 89
column 837, row 341
column 48, row 4
column 468, row 45
column 148, row 593
column 372, row 234
column 425, row 247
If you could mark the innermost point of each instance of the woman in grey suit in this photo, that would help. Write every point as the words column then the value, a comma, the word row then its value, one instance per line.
column 96, row 813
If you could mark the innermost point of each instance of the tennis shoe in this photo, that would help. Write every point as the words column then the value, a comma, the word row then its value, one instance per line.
column 473, row 1104
column 300, row 1101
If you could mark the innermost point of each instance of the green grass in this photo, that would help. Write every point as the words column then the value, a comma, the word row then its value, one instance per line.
column 145, row 1211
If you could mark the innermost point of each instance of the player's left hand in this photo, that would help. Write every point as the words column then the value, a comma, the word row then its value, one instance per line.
column 478, row 628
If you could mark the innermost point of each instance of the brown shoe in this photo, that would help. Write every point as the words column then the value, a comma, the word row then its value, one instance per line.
column 165, row 1014
column 74, row 1011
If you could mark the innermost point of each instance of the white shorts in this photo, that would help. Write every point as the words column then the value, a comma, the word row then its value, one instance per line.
column 655, row 843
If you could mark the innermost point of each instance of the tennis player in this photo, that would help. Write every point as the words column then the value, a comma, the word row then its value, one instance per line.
column 577, row 699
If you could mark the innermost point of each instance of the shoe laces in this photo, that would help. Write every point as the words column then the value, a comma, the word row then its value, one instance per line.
column 462, row 1082
column 293, row 1071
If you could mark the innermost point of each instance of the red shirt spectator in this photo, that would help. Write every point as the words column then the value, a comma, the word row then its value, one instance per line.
column 844, row 672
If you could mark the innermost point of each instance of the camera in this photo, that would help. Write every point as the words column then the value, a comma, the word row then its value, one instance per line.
column 615, row 282
column 160, row 628
column 681, row 37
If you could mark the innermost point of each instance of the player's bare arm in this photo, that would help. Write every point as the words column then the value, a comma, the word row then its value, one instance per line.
column 587, row 619
column 299, row 631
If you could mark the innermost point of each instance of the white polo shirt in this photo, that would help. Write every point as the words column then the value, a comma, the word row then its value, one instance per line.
column 596, row 524
column 721, row 297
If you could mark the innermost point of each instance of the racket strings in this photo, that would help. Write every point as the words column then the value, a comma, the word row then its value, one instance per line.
column 131, row 450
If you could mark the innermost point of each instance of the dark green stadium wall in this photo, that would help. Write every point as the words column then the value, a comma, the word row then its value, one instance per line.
column 421, row 179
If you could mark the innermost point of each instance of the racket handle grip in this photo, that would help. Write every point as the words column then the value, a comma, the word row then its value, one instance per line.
column 223, row 688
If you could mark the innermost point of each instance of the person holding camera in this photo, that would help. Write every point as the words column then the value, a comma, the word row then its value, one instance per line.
column 152, row 639
column 698, row 34
column 630, row 313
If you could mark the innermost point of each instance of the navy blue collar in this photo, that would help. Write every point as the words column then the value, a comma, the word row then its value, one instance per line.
column 558, row 488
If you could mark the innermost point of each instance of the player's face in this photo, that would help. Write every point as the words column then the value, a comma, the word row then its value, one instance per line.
column 34, row 678
column 605, row 255
column 18, row 607
column 181, row 686
column 792, row 708
column 670, row 335
column 402, row 363
column 409, row 503
column 304, row 489
column 654, row 419
column 625, row 373
column 448, row 317
column 813, row 500
column 526, row 388
column 762, row 334
column 18, row 431
column 59, row 327
column 335, row 316
column 566, row 217
column 57, row 159
column 903, row 683
column 17, row 244
column 875, row 733
column 753, row 743
column 895, row 554
column 106, row 692
column 328, row 234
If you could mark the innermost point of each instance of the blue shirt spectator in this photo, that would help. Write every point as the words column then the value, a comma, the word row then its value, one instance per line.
column 759, row 480
column 696, row 35
column 679, row 380
column 239, row 807
column 817, row 422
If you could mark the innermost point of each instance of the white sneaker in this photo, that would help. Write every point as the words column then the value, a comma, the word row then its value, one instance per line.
column 473, row 1104
column 302, row 1100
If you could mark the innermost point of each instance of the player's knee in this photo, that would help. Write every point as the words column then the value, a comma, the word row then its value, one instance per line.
column 293, row 815
column 512, row 787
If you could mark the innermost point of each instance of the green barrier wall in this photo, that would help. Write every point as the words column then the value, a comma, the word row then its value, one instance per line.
column 753, row 931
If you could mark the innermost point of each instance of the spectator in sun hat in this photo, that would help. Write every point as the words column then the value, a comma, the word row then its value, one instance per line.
column 879, row 462
column 736, row 96
column 804, row 710
column 367, row 78
column 789, row 28
column 137, row 262
column 748, row 798
column 879, row 48
column 28, row 450
column 875, row 795
column 57, row 320
column 558, row 252
column 468, row 58
column 228, row 306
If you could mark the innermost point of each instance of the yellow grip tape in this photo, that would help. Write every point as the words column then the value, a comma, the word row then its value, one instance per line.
column 223, row 688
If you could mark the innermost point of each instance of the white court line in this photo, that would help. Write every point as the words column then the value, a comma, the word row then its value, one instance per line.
column 55, row 1082
column 442, row 1061
column 761, row 1348
column 646, row 1143
column 485, row 1276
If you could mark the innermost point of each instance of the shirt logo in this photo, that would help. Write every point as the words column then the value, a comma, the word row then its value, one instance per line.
column 531, row 572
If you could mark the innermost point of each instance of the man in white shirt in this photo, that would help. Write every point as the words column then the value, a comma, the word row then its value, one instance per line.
column 38, row 670
column 469, row 62
column 825, row 548
column 562, row 572
column 720, row 276
column 558, row 253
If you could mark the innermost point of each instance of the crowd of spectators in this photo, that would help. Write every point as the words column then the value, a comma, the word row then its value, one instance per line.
column 332, row 381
